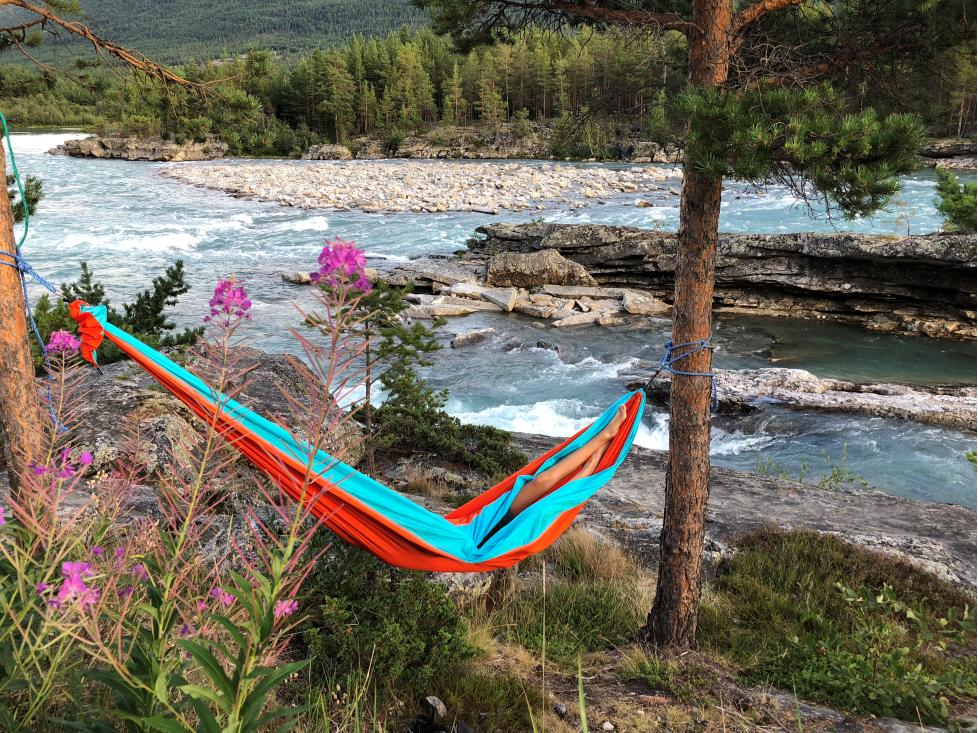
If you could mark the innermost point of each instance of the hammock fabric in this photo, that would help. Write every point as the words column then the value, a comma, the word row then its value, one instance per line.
column 366, row 513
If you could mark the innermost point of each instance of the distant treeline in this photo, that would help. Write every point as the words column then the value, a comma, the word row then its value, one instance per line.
column 402, row 83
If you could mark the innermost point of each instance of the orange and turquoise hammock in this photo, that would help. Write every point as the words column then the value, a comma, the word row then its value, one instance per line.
column 366, row 513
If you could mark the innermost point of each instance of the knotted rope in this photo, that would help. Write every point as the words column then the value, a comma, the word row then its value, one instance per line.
column 666, row 362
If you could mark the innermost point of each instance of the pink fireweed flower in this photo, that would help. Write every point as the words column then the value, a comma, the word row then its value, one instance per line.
column 341, row 263
column 37, row 469
column 41, row 587
column 85, row 459
column 81, row 569
column 128, row 591
column 285, row 608
column 223, row 596
column 201, row 605
column 73, row 587
column 98, row 552
column 230, row 301
column 62, row 341
column 140, row 571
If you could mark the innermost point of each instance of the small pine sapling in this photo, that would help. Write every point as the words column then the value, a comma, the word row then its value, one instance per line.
column 956, row 202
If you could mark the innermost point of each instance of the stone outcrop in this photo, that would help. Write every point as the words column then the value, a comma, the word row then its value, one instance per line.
column 328, row 152
column 923, row 284
column 150, row 149
column 546, row 267
column 744, row 390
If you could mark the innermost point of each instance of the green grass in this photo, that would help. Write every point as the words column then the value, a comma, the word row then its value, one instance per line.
column 502, row 697
column 779, row 581
column 580, row 618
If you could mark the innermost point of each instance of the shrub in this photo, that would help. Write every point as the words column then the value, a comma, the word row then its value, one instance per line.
column 145, row 318
column 957, row 202
column 779, row 583
column 872, row 669
column 369, row 617
column 393, row 140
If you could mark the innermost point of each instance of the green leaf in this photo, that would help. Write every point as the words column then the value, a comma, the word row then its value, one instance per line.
column 211, row 666
column 161, row 690
column 202, row 693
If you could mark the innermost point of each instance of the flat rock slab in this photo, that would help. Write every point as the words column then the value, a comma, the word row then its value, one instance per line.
column 740, row 389
column 435, row 272
column 939, row 537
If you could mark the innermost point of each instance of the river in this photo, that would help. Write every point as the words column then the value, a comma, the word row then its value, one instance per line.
column 128, row 223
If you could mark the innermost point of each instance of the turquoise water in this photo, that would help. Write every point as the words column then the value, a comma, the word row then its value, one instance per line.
column 129, row 224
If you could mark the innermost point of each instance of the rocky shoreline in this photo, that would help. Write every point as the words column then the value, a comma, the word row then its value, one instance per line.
column 429, row 187
column 938, row 537
column 921, row 284
column 144, row 149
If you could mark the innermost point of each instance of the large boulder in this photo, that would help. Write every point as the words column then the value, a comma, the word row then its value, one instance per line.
column 511, row 270
column 328, row 152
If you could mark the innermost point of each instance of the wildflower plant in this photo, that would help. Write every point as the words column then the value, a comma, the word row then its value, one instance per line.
column 182, row 641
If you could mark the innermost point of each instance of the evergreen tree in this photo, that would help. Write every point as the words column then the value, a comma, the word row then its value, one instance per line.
column 957, row 202
column 759, row 106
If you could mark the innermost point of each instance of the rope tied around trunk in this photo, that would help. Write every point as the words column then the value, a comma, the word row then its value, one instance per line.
column 24, row 267
column 666, row 362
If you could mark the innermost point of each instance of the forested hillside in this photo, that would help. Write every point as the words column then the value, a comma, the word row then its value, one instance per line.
column 174, row 31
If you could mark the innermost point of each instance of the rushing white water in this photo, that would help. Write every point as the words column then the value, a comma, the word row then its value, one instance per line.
column 129, row 224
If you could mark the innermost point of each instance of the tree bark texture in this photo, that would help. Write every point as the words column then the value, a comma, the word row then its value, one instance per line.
column 675, row 613
column 18, row 394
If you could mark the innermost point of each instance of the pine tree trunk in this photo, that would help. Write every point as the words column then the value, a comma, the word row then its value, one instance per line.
column 18, row 395
column 675, row 612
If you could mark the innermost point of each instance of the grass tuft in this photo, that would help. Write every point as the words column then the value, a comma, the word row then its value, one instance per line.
column 776, row 585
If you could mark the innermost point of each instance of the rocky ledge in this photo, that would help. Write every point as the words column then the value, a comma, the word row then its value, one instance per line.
column 427, row 187
column 150, row 149
column 745, row 390
column 922, row 284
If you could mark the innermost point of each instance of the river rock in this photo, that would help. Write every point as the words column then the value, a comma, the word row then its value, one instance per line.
column 505, row 298
column 579, row 319
column 743, row 389
column 467, row 290
column 297, row 278
column 564, row 291
column 131, row 148
column 643, row 305
column 611, row 321
column 430, row 312
column 328, row 152
column 532, row 270
column 426, row 272
column 478, row 305
column 472, row 337
column 923, row 284
column 537, row 311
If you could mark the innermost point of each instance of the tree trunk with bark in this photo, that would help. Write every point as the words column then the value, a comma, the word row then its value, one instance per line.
column 675, row 613
column 18, row 394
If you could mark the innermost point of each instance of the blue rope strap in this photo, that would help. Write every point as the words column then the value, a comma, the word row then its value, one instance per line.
column 22, row 266
column 666, row 362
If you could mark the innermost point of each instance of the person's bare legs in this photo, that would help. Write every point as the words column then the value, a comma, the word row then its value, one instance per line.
column 585, row 458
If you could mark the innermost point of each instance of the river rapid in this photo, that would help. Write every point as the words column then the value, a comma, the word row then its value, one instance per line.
column 129, row 223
